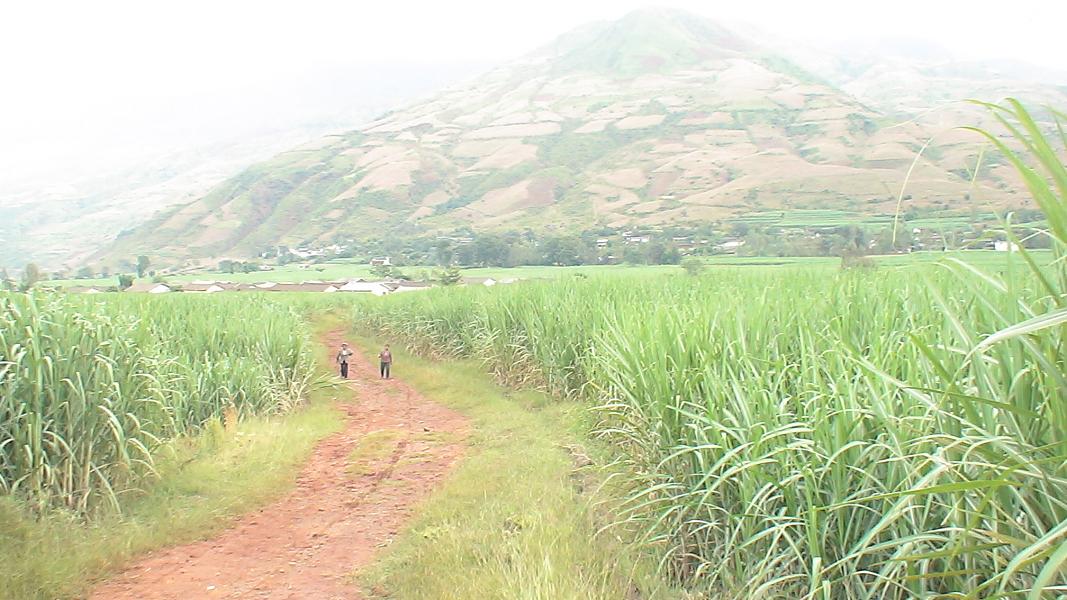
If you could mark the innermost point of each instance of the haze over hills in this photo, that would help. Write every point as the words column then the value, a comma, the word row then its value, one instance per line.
column 67, row 191
column 52, row 223
column 658, row 118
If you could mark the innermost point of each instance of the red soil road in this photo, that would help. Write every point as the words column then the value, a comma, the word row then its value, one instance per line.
column 308, row 543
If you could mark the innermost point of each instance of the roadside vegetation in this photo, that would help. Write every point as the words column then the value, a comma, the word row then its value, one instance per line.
column 346, row 269
column 203, row 483
column 130, row 423
column 91, row 389
column 811, row 434
column 519, row 517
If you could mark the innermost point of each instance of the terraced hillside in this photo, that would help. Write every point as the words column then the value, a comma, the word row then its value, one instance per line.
column 660, row 117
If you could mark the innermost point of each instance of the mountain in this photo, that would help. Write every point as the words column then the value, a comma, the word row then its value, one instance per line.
column 67, row 191
column 658, row 118
column 54, row 223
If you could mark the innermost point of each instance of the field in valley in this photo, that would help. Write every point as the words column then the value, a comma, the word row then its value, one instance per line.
column 342, row 270
column 851, row 445
column 858, row 443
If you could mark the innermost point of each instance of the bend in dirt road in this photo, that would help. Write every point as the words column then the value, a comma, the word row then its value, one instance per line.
column 306, row 544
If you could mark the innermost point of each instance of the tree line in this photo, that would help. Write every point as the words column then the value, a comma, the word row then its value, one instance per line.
column 32, row 274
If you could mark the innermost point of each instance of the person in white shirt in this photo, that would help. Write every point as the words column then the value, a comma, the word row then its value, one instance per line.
column 342, row 359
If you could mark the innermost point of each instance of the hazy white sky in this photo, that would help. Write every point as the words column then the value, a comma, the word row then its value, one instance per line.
column 224, row 42
column 80, row 69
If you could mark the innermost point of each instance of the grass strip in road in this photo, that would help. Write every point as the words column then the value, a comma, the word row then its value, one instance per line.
column 516, row 520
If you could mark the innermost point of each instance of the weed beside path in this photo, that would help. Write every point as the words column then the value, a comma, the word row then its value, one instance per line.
column 205, row 483
column 516, row 519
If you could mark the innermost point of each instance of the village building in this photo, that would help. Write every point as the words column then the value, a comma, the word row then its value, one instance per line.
column 730, row 246
column 487, row 281
column 148, row 287
column 367, row 287
column 306, row 286
column 203, row 287
column 306, row 253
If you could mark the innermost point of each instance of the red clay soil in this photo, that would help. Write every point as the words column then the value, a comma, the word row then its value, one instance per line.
column 308, row 543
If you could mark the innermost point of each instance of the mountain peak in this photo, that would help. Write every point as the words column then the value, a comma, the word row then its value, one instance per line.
column 576, row 137
column 647, row 40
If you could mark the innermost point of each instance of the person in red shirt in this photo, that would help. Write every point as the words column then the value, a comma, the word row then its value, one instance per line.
column 386, row 358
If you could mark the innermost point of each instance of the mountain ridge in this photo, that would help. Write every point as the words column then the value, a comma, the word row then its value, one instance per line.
column 658, row 118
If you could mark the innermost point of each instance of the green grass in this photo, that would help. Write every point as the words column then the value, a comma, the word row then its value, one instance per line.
column 205, row 482
column 806, row 432
column 91, row 387
column 289, row 273
column 549, row 272
column 344, row 271
column 916, row 261
column 205, row 478
column 982, row 259
column 515, row 520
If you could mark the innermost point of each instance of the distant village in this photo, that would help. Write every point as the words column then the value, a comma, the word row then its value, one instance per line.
column 464, row 248
column 356, row 286
column 653, row 245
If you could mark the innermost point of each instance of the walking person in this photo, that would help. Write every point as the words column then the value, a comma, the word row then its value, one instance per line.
column 386, row 358
column 342, row 359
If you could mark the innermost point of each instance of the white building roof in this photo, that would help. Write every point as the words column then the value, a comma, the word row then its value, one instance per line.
column 374, row 287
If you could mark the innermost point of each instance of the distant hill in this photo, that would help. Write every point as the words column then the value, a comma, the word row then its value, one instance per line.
column 55, row 223
column 64, row 194
column 658, row 118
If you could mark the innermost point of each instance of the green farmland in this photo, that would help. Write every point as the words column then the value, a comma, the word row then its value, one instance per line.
column 339, row 271
column 853, row 440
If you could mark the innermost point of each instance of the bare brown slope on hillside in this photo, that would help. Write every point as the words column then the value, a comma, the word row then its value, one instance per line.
column 658, row 118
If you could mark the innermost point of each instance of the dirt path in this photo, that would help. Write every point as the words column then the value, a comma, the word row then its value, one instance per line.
column 307, row 544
